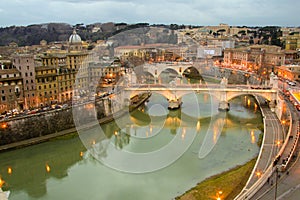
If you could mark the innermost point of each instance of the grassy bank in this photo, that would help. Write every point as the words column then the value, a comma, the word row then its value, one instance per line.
column 225, row 185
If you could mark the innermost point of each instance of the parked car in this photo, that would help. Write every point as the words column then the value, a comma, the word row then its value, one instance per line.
column 292, row 83
column 65, row 106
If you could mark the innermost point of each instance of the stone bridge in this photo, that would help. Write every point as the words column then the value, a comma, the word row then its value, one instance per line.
column 222, row 93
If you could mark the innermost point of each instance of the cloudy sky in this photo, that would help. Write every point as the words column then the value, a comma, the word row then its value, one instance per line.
column 196, row 12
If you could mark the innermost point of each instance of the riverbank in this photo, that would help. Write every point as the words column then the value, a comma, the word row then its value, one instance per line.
column 44, row 138
column 225, row 185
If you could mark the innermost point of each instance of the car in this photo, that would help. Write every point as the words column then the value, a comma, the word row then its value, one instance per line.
column 64, row 106
column 292, row 83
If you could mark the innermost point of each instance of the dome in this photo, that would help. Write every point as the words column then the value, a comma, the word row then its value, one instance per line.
column 74, row 38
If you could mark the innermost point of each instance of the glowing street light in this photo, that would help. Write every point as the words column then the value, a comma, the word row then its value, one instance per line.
column 1, row 182
column 9, row 170
column 258, row 174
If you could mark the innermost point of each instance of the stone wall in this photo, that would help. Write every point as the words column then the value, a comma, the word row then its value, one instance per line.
column 34, row 126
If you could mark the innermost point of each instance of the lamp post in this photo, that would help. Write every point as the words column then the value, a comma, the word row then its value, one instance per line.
column 276, row 180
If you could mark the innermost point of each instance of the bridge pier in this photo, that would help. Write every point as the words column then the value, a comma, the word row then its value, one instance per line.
column 224, row 106
column 272, row 105
column 174, row 103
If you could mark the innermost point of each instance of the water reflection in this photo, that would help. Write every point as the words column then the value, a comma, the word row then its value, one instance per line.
column 29, row 170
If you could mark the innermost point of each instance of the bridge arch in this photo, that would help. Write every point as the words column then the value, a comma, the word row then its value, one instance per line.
column 232, row 95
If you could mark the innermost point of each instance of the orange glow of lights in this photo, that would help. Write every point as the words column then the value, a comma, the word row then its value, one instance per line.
column 4, row 125
column 198, row 126
column 258, row 174
column 93, row 142
column 48, row 169
column 183, row 133
column 1, row 182
column 81, row 154
column 248, row 102
column 255, row 106
column 116, row 133
column 252, row 137
column 278, row 143
column 283, row 122
column 9, row 170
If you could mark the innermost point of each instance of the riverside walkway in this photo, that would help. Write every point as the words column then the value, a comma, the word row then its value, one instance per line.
column 285, row 185
column 273, row 132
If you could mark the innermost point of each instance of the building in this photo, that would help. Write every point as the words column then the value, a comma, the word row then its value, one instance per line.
column 290, row 72
column 46, row 84
column 11, row 87
column 57, row 70
column 292, row 42
column 25, row 64
column 257, row 58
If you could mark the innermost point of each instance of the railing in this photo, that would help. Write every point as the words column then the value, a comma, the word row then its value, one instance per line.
column 247, row 194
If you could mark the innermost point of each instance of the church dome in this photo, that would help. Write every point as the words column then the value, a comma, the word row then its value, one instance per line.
column 74, row 38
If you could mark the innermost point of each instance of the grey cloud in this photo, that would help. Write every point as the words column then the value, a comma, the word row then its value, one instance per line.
column 202, row 12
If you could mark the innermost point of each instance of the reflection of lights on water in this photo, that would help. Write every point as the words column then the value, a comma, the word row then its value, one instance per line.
column 248, row 103
column 116, row 133
column 93, row 142
column 9, row 170
column 48, row 169
column 253, row 139
column 81, row 154
column 215, row 136
column 198, row 126
column 205, row 97
column 255, row 107
column 150, row 129
column 183, row 133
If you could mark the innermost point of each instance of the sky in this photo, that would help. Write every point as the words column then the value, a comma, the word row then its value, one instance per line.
column 194, row 12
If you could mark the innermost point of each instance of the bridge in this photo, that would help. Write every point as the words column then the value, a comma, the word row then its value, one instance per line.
column 201, row 67
column 222, row 93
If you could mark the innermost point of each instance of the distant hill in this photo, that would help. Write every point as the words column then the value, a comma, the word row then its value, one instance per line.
column 33, row 34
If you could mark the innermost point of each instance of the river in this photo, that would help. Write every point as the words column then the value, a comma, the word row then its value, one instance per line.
column 64, row 169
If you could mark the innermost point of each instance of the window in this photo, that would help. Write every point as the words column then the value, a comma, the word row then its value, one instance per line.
column 31, row 81
column 26, row 74
column 30, row 73
column 2, row 91
column 26, row 81
column 45, row 86
column 3, row 98
column 27, row 67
